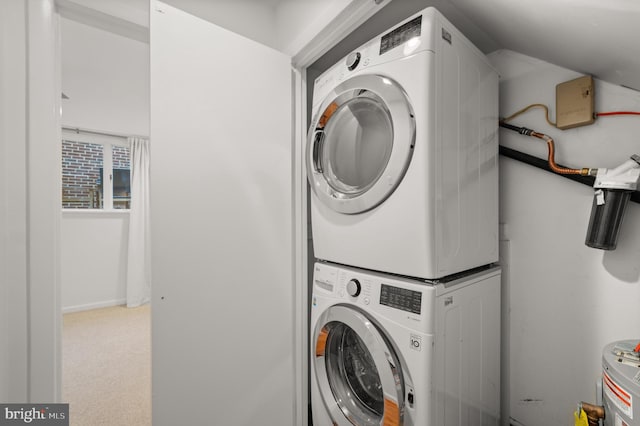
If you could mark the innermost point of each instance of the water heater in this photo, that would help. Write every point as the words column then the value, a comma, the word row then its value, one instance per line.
column 621, row 383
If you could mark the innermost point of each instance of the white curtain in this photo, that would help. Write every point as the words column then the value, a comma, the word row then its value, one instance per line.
column 139, row 255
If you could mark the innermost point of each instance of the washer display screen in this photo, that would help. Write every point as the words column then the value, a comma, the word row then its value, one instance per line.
column 400, row 35
column 401, row 298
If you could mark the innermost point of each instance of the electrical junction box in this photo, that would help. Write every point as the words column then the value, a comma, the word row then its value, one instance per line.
column 574, row 103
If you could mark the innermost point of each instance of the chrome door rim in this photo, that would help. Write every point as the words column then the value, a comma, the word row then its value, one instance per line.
column 396, row 102
column 384, row 357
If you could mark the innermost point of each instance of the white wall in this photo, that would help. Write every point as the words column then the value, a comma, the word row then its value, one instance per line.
column 106, row 77
column 566, row 300
column 284, row 25
column 94, row 259
column 297, row 22
column 252, row 19
column 135, row 11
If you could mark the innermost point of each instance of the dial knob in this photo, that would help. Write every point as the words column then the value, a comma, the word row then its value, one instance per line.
column 353, row 60
column 353, row 288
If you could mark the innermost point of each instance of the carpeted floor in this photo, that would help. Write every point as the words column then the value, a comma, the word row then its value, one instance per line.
column 107, row 366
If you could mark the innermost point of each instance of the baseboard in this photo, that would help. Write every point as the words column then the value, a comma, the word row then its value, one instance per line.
column 97, row 305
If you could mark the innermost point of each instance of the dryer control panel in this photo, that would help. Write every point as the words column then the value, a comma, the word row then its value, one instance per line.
column 400, row 35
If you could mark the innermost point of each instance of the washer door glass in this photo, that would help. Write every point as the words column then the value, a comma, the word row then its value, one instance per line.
column 353, row 376
column 360, row 144
column 361, row 383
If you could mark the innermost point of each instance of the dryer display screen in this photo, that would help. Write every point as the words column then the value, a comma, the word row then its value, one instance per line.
column 400, row 35
column 401, row 298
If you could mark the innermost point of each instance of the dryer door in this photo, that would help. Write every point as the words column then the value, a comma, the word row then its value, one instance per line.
column 357, row 370
column 360, row 143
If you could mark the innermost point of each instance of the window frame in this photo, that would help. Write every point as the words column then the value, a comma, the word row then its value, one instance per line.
column 107, row 142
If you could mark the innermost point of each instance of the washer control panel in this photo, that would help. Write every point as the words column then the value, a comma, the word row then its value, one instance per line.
column 398, row 299
column 401, row 298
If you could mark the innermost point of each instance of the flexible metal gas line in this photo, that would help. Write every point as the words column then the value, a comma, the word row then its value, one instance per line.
column 551, row 149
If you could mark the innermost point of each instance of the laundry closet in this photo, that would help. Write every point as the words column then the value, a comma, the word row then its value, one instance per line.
column 547, row 271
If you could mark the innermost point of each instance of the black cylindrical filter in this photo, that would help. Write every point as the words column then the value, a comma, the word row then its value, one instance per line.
column 607, row 212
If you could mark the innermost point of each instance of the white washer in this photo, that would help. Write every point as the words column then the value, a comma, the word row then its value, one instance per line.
column 391, row 351
column 402, row 154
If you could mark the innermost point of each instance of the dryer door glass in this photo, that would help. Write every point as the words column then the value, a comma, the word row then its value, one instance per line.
column 360, row 144
column 357, row 144
column 357, row 370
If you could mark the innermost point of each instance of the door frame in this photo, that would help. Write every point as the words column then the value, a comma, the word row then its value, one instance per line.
column 31, row 362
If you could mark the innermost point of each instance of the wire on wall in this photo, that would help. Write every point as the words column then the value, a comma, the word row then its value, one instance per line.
column 551, row 123
column 600, row 114
column 527, row 108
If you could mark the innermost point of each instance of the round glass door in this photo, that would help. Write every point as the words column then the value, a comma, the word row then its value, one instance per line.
column 361, row 382
column 353, row 376
column 360, row 144
column 357, row 144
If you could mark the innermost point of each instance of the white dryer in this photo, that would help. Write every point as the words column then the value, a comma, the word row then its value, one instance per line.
column 402, row 154
column 392, row 351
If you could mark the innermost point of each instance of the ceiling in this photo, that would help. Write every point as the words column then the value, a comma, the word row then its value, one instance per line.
column 597, row 37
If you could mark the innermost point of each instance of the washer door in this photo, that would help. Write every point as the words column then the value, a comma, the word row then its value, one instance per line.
column 357, row 370
column 360, row 143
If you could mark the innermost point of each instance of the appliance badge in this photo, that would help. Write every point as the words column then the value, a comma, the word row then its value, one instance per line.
column 446, row 35
column 415, row 342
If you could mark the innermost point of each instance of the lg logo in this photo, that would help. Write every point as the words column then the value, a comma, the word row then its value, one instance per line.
column 415, row 342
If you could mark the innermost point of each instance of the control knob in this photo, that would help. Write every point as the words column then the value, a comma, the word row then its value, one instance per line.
column 353, row 287
column 353, row 60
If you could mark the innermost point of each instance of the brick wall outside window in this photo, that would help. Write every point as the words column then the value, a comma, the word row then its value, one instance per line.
column 81, row 166
column 121, row 157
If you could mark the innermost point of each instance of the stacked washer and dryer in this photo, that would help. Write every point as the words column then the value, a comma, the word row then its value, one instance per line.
column 402, row 159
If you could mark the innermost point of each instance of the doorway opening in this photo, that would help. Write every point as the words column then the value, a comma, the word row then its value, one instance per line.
column 106, row 346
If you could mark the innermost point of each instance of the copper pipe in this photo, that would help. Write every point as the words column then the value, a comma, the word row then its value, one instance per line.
column 593, row 412
column 552, row 161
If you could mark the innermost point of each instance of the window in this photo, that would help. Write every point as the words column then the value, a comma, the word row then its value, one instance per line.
column 88, row 162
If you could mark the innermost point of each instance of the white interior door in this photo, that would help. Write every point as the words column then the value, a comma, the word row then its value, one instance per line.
column 222, row 244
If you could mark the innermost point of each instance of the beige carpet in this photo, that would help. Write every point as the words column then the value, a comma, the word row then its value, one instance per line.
column 107, row 366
